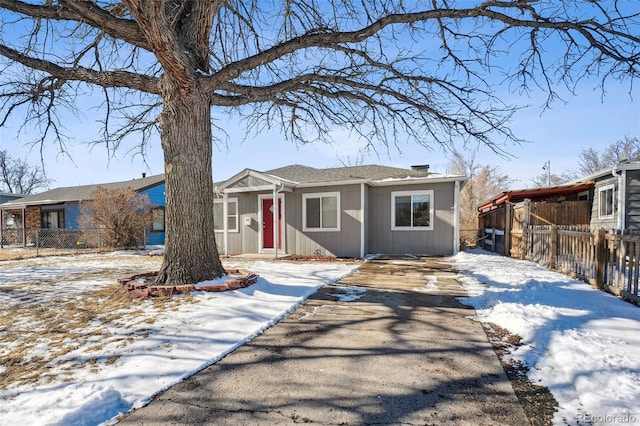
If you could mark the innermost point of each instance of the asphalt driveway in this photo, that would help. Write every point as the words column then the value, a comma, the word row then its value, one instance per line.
column 389, row 344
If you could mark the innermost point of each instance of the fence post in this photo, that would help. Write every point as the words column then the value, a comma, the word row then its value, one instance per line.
column 554, row 247
column 525, row 229
column 493, row 240
column 507, row 230
column 601, row 258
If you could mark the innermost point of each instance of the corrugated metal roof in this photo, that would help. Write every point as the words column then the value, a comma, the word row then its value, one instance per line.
column 83, row 192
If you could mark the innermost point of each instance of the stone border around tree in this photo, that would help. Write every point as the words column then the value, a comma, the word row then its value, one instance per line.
column 141, row 285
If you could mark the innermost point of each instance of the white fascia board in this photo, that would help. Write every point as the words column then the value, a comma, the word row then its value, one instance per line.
column 15, row 205
column 255, row 189
column 413, row 181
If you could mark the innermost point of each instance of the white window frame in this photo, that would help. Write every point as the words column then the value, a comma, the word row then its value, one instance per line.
column 395, row 194
column 236, row 228
column 601, row 192
column 320, row 195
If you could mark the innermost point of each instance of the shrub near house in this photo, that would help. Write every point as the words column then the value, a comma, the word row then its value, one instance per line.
column 123, row 213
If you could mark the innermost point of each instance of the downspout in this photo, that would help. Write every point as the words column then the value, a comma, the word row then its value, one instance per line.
column 362, row 221
column 622, row 195
column 456, row 218
column 276, row 223
column 276, row 218
column 225, row 226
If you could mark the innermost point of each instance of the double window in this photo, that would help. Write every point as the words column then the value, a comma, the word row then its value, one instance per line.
column 321, row 211
column 606, row 202
column 232, row 215
column 53, row 219
column 412, row 210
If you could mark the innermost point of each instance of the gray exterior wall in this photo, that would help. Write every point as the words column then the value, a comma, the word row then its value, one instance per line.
column 436, row 242
column 245, row 240
column 378, row 238
column 596, row 221
column 633, row 200
column 343, row 243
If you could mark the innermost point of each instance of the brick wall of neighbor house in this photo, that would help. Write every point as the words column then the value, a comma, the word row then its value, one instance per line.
column 33, row 217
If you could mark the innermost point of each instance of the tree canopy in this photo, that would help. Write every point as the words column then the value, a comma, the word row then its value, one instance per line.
column 427, row 71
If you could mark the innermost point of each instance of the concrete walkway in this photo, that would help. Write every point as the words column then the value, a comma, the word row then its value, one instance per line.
column 405, row 353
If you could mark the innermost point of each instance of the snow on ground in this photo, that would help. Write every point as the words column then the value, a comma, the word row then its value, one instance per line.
column 583, row 344
column 170, row 346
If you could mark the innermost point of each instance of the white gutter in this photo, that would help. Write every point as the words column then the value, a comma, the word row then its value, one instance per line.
column 412, row 181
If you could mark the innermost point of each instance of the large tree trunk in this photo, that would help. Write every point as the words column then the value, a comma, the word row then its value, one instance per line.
column 191, row 254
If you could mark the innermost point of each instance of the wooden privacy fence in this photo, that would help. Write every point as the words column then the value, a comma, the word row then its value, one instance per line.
column 504, row 228
column 609, row 261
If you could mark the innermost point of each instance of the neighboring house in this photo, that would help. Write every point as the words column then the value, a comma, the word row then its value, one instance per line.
column 501, row 219
column 616, row 197
column 7, row 196
column 59, row 208
column 611, row 199
column 344, row 211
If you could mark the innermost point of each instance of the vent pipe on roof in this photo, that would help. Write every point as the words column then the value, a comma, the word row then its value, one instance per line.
column 421, row 168
column 144, row 175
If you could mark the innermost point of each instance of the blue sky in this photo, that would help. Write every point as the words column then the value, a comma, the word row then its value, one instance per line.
column 556, row 135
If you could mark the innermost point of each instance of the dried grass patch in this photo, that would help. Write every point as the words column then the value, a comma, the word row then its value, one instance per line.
column 42, row 334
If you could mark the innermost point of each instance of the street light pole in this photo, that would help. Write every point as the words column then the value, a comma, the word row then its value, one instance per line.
column 547, row 167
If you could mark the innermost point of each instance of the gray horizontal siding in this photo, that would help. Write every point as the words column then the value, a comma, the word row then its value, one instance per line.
column 439, row 241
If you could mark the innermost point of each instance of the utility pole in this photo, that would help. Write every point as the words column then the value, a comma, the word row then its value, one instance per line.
column 547, row 167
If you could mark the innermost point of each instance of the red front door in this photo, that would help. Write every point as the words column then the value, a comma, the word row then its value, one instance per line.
column 267, row 223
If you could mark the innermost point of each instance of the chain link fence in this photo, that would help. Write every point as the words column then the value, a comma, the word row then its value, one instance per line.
column 33, row 242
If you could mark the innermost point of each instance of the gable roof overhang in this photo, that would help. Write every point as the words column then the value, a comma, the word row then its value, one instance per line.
column 250, row 180
column 534, row 194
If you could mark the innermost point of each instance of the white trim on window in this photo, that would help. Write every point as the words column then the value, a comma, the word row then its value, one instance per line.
column 611, row 202
column 323, row 197
column 413, row 197
column 231, row 214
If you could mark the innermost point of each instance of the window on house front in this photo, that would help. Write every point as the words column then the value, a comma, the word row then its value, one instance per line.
column 53, row 219
column 606, row 202
column 411, row 210
column 157, row 219
column 232, row 215
column 321, row 212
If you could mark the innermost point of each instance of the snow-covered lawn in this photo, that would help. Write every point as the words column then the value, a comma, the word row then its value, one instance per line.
column 583, row 344
column 74, row 351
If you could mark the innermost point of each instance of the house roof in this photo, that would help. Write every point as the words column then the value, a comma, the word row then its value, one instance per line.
column 305, row 174
column 297, row 175
column 622, row 165
column 534, row 194
column 83, row 192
